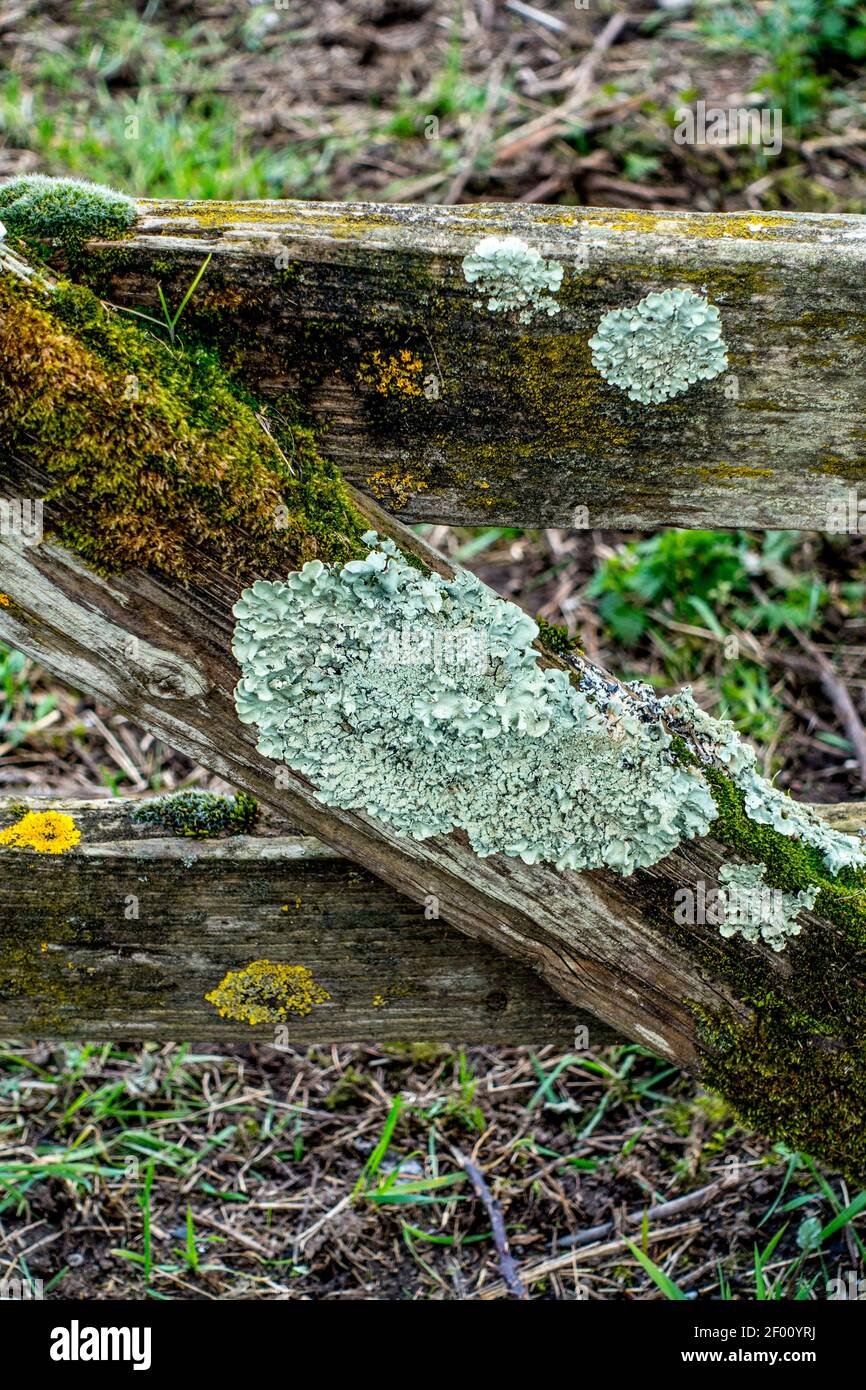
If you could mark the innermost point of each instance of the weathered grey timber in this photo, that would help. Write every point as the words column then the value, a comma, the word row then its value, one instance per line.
column 494, row 421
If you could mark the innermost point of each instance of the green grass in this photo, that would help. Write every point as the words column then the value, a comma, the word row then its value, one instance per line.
column 165, row 1134
column 692, row 596
column 20, row 707
column 171, row 134
column 806, row 44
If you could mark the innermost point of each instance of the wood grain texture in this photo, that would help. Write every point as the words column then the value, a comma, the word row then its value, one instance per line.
column 589, row 935
column 125, row 934
column 160, row 653
column 512, row 424
column 597, row 939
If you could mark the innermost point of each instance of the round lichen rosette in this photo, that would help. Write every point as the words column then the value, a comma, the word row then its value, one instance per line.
column 514, row 276
column 421, row 702
column 661, row 346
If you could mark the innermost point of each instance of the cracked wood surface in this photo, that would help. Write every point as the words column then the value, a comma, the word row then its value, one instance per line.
column 159, row 652
column 494, row 422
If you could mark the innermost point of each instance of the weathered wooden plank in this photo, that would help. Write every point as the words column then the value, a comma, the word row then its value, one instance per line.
column 125, row 934
column 494, row 421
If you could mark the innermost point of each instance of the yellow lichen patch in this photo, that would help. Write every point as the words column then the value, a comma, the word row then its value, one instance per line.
column 47, row 832
column 730, row 472
column 749, row 226
column 5, row 601
column 398, row 374
column 389, row 992
column 266, row 992
column 395, row 489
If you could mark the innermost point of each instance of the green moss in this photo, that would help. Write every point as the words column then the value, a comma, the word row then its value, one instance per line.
column 794, row 1067
column 792, row 1079
column 790, row 865
column 200, row 814
column 158, row 459
column 48, row 212
column 555, row 638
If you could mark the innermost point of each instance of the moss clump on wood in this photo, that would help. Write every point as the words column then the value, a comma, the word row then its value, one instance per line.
column 200, row 814
column 790, row 864
column 792, row 1078
column 794, row 1067
column 554, row 638
column 47, row 212
column 158, row 459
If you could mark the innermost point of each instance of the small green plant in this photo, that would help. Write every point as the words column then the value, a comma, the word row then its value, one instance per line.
column 804, row 41
column 171, row 320
column 658, row 1276
column 693, row 595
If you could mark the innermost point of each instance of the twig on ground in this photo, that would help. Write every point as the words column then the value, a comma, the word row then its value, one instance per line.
column 837, row 693
column 541, row 1269
column 556, row 121
column 660, row 1212
column 510, row 1277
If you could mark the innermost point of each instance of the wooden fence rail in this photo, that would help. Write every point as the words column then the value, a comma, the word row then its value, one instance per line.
column 124, row 935
column 490, row 421
column 301, row 299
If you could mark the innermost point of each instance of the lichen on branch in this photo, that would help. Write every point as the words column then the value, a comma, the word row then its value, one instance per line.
column 423, row 702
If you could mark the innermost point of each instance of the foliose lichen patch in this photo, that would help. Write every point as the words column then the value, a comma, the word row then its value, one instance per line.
column 266, row 991
column 422, row 702
column 718, row 743
column 46, row 832
column 758, row 913
column 661, row 346
column 514, row 276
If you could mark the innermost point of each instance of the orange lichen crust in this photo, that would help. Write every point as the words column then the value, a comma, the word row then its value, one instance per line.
column 266, row 992
column 46, row 832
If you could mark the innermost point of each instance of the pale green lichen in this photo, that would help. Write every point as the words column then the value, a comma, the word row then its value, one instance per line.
column 422, row 702
column 514, row 276
column 718, row 744
column 753, row 910
column 63, row 211
column 661, row 346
